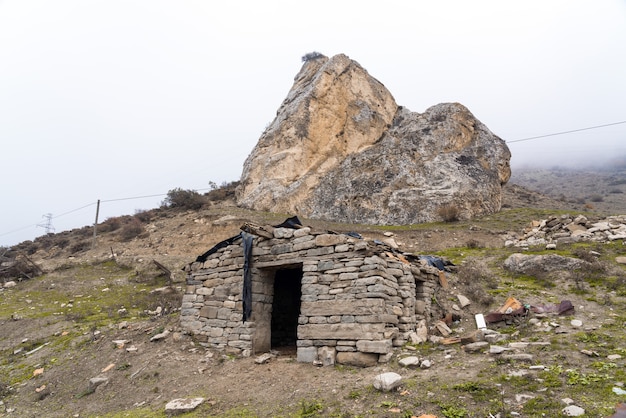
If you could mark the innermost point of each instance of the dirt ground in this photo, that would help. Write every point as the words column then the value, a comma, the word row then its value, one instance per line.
column 72, row 350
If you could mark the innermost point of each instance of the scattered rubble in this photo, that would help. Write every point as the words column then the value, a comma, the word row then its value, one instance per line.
column 566, row 229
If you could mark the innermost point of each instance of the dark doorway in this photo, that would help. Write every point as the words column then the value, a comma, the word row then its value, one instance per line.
column 286, row 307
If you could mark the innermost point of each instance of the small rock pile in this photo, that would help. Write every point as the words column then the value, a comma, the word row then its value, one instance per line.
column 566, row 229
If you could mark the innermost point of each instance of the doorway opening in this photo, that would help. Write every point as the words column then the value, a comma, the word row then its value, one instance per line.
column 286, row 308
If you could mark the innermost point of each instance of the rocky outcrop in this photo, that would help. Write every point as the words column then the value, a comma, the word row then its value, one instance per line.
column 341, row 149
column 528, row 263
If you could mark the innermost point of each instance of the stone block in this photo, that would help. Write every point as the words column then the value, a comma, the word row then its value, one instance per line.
column 306, row 354
column 208, row 312
column 318, row 320
column 360, row 245
column 357, row 359
column 345, row 348
column 224, row 313
column 342, row 248
column 189, row 298
column 327, row 355
column 322, row 343
column 216, row 332
column 420, row 307
column 343, row 307
column 302, row 232
column 325, row 240
column 204, row 291
column 281, row 249
column 303, row 245
column 324, row 265
column 349, row 276
column 316, row 252
column 280, row 233
column 380, row 347
column 343, row 269
column 341, row 331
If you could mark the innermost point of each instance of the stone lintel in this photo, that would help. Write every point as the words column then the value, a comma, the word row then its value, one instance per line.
column 341, row 331
column 343, row 307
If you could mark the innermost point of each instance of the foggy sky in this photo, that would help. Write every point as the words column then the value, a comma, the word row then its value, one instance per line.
column 122, row 99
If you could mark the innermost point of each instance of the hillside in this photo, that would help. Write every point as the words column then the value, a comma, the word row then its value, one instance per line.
column 600, row 191
column 88, row 337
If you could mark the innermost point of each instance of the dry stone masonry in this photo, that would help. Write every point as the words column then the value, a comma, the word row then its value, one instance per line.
column 335, row 297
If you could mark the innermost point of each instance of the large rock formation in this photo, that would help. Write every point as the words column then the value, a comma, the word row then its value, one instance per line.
column 341, row 149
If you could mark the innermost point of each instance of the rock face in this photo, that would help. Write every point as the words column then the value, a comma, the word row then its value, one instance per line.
column 341, row 149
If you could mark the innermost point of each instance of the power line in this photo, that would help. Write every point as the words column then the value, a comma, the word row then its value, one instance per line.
column 74, row 210
column 88, row 205
column 566, row 132
column 132, row 198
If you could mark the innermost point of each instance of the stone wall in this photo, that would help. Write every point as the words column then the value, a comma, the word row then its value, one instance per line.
column 358, row 299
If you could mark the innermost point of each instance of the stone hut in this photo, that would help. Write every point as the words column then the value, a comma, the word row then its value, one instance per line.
column 333, row 297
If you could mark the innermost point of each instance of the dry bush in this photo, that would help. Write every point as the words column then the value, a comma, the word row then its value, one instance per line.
column 183, row 199
column 131, row 229
column 585, row 254
column 477, row 277
column 449, row 212
column 111, row 224
column 144, row 216
column 541, row 276
column 224, row 192
column 80, row 246
column 474, row 243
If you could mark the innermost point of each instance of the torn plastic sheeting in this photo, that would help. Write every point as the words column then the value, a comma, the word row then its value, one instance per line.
column 202, row 258
column 436, row 262
column 564, row 307
column 492, row 317
column 247, row 275
column 293, row 223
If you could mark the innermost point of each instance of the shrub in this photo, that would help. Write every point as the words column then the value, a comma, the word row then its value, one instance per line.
column 225, row 191
column 183, row 199
column 143, row 216
column 131, row 229
column 449, row 212
column 477, row 276
column 474, row 243
column 111, row 224
column 80, row 246
column 596, row 198
column 311, row 56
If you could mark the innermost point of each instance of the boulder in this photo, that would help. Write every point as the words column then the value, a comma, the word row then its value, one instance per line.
column 340, row 148
column 523, row 263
